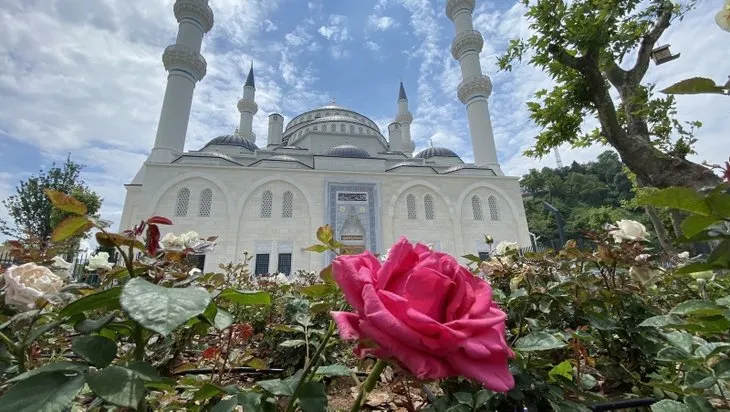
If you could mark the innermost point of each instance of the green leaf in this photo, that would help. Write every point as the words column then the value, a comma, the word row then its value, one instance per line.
column 317, row 291
column 144, row 371
column 537, row 341
column 695, row 224
column 313, row 398
column 682, row 198
column 162, row 309
column 698, row 307
column 65, row 202
column 681, row 340
column 281, row 387
column 39, row 331
column 117, row 385
column 472, row 258
column 709, row 324
column 695, row 267
column 94, row 325
column 725, row 301
column 588, row 381
column 694, row 85
column 207, row 391
column 63, row 366
column 720, row 256
column 464, row 398
column 106, row 299
column 326, row 275
column 667, row 405
column 95, row 349
column 317, row 248
column 483, row 396
column 720, row 204
column 251, row 401
column 70, row 226
column 226, row 405
column 673, row 354
column 564, row 369
column 698, row 404
column 223, row 319
column 115, row 239
column 711, row 349
column 292, row 343
column 722, row 369
column 246, row 297
column 603, row 322
column 334, row 370
column 46, row 392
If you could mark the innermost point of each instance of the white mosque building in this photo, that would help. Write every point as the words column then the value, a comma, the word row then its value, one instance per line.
column 330, row 165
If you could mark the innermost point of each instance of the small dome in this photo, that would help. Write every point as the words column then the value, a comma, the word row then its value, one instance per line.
column 347, row 150
column 232, row 140
column 283, row 157
column 436, row 151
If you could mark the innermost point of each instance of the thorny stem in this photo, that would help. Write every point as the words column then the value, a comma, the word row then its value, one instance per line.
column 309, row 366
column 139, row 343
column 369, row 384
column 724, row 398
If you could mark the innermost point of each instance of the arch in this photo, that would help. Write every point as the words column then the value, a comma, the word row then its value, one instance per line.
column 206, row 201
column 287, row 204
column 434, row 189
column 267, row 198
column 183, row 200
column 501, row 193
column 428, row 207
column 411, row 206
column 493, row 208
column 218, row 184
column 271, row 179
column 476, row 207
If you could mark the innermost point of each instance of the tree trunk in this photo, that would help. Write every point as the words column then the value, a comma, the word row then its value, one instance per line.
column 661, row 234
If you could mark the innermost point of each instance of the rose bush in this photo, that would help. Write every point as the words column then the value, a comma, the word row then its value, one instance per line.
column 98, row 261
column 27, row 283
column 427, row 312
column 629, row 230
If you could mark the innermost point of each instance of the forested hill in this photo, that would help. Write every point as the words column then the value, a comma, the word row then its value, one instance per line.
column 588, row 196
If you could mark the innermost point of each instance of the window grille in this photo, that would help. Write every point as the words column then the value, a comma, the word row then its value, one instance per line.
column 287, row 204
column 428, row 206
column 262, row 264
column 342, row 128
column 206, row 200
column 284, row 264
column 183, row 199
column 352, row 129
column 333, row 128
column 196, row 261
column 484, row 255
column 411, row 206
column 266, row 200
column 476, row 208
column 493, row 209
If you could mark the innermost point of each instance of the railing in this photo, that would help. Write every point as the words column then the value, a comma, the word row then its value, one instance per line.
column 79, row 260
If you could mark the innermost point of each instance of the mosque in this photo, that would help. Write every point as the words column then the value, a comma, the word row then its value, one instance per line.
column 330, row 165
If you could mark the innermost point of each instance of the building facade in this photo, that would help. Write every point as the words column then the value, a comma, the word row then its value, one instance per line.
column 330, row 165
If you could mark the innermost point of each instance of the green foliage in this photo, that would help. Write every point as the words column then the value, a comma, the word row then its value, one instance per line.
column 697, row 85
column 32, row 211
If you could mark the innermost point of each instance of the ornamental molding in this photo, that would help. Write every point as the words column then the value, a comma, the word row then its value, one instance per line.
column 404, row 118
column 197, row 10
column 179, row 57
column 247, row 106
column 453, row 6
column 473, row 86
column 466, row 41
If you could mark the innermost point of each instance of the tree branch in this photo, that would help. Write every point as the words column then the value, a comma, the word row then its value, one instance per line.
column 648, row 42
column 615, row 74
column 565, row 58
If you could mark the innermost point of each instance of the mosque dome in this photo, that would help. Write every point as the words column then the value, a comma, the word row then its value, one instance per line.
column 436, row 151
column 331, row 119
column 347, row 150
column 232, row 140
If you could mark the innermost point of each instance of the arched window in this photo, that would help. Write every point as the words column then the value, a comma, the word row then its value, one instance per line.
column 183, row 199
column 333, row 128
column 411, row 206
column 342, row 128
column 476, row 207
column 287, row 204
column 206, row 200
column 493, row 208
column 352, row 129
column 266, row 199
column 428, row 206
column 314, row 127
column 359, row 129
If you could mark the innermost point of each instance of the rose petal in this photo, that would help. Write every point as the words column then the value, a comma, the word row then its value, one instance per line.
column 347, row 325
column 426, row 290
column 393, row 275
column 492, row 372
column 352, row 273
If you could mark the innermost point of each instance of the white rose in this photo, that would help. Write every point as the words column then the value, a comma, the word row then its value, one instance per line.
column 282, row 279
column 27, row 283
column 629, row 230
column 61, row 268
column 644, row 275
column 722, row 18
column 683, row 256
column 99, row 261
column 190, row 239
column 195, row 272
column 488, row 267
column 186, row 240
column 505, row 247
column 642, row 258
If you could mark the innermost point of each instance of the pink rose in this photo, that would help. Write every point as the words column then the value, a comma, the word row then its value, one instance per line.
column 425, row 310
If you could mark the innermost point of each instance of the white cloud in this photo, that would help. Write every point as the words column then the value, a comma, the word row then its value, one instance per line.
column 372, row 46
column 336, row 30
column 381, row 23
column 269, row 26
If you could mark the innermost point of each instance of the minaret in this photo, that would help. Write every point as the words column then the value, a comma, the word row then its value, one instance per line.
column 248, row 108
column 185, row 66
column 404, row 118
column 475, row 88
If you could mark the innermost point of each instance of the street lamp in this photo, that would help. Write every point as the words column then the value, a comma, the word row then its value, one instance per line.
column 558, row 220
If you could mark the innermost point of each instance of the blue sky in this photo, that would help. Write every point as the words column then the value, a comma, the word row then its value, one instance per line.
column 85, row 77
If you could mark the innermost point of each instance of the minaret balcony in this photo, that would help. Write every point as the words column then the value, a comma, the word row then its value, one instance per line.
column 474, row 86
column 197, row 10
column 247, row 106
column 406, row 117
column 465, row 41
column 452, row 6
column 179, row 57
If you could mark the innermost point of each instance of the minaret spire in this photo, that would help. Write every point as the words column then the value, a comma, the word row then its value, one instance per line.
column 247, row 107
column 475, row 87
column 404, row 118
column 186, row 66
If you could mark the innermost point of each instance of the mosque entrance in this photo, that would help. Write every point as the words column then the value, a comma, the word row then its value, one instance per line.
column 353, row 213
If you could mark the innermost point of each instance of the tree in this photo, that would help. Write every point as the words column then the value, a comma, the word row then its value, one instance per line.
column 32, row 212
column 580, row 44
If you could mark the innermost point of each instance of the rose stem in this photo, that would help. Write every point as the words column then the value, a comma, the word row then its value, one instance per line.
column 369, row 384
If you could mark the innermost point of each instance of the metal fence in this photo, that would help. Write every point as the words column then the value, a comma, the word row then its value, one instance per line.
column 79, row 260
